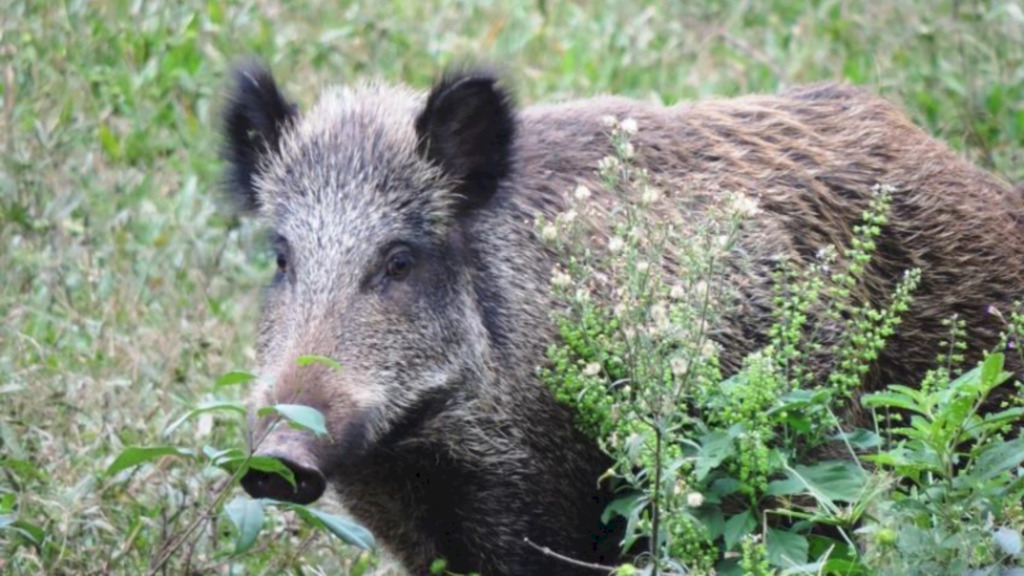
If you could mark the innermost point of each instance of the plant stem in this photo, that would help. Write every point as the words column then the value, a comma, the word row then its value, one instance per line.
column 655, row 515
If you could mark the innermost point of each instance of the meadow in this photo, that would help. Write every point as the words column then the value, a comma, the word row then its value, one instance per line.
column 128, row 287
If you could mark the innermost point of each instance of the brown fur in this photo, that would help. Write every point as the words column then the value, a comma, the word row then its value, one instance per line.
column 444, row 441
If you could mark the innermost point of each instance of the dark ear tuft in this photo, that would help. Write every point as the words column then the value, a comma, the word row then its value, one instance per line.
column 466, row 128
column 255, row 115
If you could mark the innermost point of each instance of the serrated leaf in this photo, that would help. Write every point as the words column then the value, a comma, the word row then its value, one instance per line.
column 232, row 378
column 226, row 405
column 247, row 516
column 298, row 416
column 786, row 549
column 135, row 455
column 715, row 447
column 348, row 531
column 736, row 527
column 322, row 360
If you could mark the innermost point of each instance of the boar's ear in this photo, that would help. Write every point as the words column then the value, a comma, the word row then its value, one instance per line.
column 466, row 128
column 254, row 118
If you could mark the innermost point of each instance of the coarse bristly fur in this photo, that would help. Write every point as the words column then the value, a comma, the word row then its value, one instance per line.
column 407, row 252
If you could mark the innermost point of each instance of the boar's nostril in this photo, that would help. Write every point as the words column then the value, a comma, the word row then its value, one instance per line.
column 309, row 484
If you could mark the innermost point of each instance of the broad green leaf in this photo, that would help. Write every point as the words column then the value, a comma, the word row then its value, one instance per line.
column 992, row 369
column 322, row 360
column 135, row 455
column 728, row 567
column 346, row 530
column 298, row 416
column 272, row 465
column 30, row 531
column 715, row 447
column 786, row 549
column 247, row 516
column 725, row 486
column 712, row 519
column 232, row 378
column 835, row 480
column 889, row 400
column 737, row 527
column 859, row 438
column 218, row 405
column 999, row 458
column 625, row 506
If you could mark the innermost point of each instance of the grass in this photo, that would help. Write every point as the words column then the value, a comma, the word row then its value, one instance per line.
column 127, row 288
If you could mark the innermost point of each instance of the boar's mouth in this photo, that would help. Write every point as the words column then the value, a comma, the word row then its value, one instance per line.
column 429, row 405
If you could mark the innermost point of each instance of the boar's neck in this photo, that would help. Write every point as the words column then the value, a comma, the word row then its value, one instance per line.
column 479, row 478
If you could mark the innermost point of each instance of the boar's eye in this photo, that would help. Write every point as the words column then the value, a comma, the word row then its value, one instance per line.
column 399, row 264
column 281, row 253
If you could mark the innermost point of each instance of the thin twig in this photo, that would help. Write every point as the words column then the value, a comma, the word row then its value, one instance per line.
column 551, row 553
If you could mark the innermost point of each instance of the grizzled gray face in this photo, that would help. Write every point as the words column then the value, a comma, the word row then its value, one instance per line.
column 367, row 197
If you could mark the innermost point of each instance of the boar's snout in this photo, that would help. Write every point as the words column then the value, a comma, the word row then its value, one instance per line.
column 310, row 482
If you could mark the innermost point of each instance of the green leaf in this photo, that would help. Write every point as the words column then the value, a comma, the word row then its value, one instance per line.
column 227, row 405
column 322, row 360
column 737, row 527
column 725, row 486
column 625, row 506
column 712, row 519
column 890, row 400
column 346, row 530
column 999, row 458
column 31, row 532
column 298, row 416
column 135, row 455
column 272, row 465
column 218, row 457
column 247, row 516
column 715, row 447
column 992, row 369
column 110, row 143
column 232, row 378
column 22, row 468
column 786, row 549
column 833, row 480
column 859, row 438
